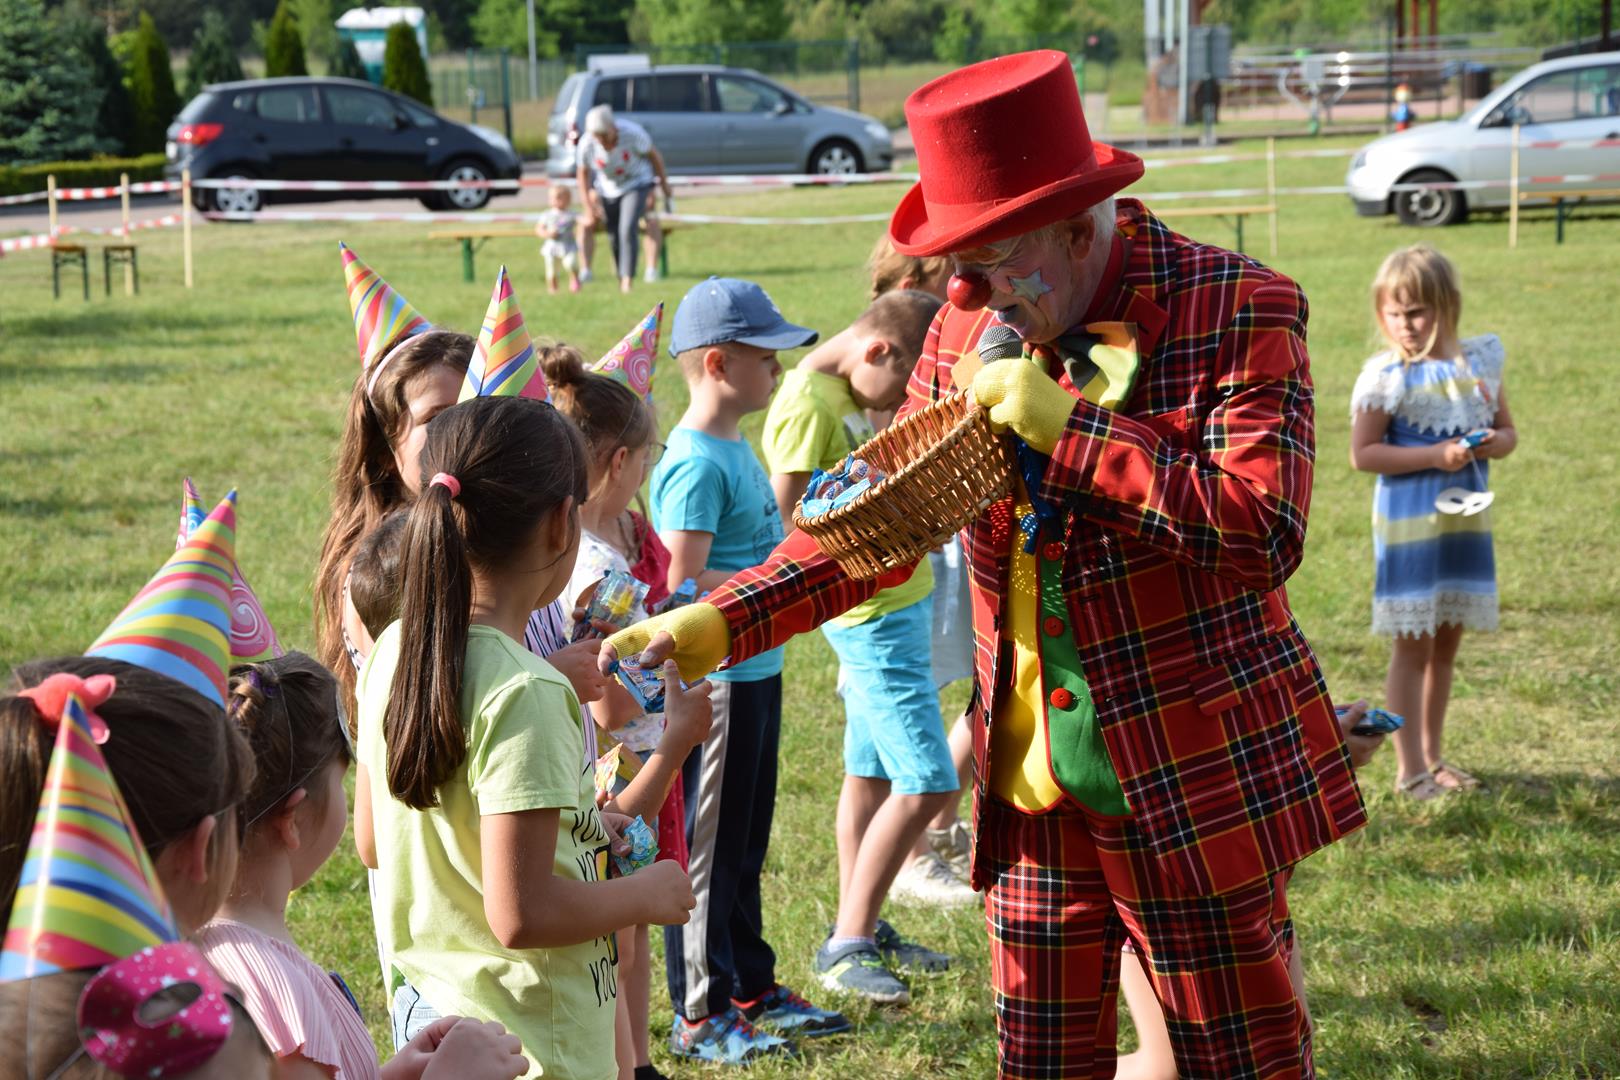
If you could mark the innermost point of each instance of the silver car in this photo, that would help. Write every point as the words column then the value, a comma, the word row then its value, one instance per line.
column 709, row 119
column 1568, row 112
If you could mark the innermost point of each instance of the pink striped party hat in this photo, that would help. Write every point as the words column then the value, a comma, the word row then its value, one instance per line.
column 252, row 637
column 88, row 894
column 179, row 624
column 631, row 360
column 382, row 317
column 504, row 363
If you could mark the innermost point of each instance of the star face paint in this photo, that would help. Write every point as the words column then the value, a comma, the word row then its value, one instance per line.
column 1031, row 284
column 1031, row 288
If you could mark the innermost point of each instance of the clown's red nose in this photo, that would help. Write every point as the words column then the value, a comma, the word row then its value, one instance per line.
column 970, row 292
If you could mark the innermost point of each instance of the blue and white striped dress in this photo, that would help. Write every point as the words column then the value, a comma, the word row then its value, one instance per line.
column 1432, row 569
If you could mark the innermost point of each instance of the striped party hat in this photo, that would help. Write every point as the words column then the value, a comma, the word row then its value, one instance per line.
column 252, row 637
column 631, row 360
column 504, row 363
column 192, row 511
column 179, row 624
column 88, row 894
column 382, row 317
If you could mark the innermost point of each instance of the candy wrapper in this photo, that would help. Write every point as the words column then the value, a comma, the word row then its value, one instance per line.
column 685, row 593
column 645, row 686
column 643, row 848
column 829, row 490
column 615, row 763
column 617, row 597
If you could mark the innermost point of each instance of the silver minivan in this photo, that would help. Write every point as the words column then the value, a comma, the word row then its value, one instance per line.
column 710, row 119
column 1568, row 112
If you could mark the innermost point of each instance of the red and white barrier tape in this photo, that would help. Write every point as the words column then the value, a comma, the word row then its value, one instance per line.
column 764, row 180
column 1608, row 143
column 1224, row 159
column 429, row 217
column 25, row 243
column 164, row 222
column 26, row 197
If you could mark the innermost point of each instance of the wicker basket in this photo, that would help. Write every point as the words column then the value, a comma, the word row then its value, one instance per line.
column 942, row 466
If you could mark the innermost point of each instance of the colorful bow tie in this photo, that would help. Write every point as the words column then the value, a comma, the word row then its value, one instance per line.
column 1100, row 359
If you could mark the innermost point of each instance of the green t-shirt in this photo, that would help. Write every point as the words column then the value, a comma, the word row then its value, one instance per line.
column 525, row 751
column 814, row 424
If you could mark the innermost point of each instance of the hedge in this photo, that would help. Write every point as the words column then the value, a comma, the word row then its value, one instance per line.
column 99, row 172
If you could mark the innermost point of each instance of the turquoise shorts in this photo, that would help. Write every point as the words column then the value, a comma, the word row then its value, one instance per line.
column 893, row 731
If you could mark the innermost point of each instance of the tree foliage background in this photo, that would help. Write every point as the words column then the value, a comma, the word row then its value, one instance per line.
column 48, row 98
column 404, row 70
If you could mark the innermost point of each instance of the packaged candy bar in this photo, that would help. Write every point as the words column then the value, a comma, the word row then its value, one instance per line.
column 617, row 596
column 643, row 848
column 645, row 686
column 685, row 593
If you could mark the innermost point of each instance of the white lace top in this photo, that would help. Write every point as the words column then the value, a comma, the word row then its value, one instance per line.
column 1435, row 396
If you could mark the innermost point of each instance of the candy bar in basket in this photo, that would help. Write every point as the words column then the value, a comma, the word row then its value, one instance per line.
column 905, row 492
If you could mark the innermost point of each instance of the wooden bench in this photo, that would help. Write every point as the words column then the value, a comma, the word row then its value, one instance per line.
column 124, row 254
column 474, row 238
column 1565, row 202
column 1235, row 213
column 69, row 255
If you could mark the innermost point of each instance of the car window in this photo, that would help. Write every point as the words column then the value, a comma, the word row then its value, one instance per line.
column 1597, row 91
column 610, row 92
column 747, row 95
column 418, row 115
column 667, row 93
column 195, row 109
column 566, row 95
column 360, row 108
column 1550, row 99
column 289, row 104
column 243, row 101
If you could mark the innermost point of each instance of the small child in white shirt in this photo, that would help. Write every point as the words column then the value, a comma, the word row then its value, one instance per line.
column 558, row 244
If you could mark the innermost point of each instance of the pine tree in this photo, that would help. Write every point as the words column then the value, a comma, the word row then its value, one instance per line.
column 213, row 57
column 151, row 88
column 283, row 47
column 115, row 119
column 47, row 97
column 346, row 62
column 404, row 70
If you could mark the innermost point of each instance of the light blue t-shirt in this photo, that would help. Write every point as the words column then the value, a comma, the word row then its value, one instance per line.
column 705, row 484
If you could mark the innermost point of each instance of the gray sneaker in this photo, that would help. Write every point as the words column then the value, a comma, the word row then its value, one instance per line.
column 954, row 845
column 908, row 956
column 857, row 968
column 927, row 879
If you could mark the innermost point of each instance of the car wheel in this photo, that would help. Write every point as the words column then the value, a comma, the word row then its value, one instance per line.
column 233, row 200
column 1435, row 206
column 836, row 157
column 465, row 198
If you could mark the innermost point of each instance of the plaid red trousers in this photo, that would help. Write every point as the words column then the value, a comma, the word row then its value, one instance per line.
column 1066, row 889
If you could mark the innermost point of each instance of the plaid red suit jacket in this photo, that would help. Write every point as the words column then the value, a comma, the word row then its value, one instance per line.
column 1184, row 514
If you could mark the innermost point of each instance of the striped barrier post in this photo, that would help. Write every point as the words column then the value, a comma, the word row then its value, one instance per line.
column 185, row 219
column 1271, row 188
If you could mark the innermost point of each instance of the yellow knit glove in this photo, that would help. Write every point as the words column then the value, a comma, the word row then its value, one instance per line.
column 1020, row 396
column 702, row 638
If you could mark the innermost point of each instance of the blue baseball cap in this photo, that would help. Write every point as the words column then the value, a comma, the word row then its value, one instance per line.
column 725, row 309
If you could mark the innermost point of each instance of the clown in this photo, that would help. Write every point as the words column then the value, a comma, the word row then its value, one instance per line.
column 1153, row 741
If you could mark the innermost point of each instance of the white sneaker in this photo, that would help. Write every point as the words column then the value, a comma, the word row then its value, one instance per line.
column 585, row 275
column 927, row 879
column 954, row 845
column 650, row 274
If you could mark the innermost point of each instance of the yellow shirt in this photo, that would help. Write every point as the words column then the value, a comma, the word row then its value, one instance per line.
column 524, row 752
column 1020, row 764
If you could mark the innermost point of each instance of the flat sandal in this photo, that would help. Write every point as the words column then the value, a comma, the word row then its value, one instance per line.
column 1420, row 788
column 1461, row 781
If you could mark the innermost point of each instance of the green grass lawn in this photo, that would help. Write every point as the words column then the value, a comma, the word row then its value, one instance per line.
column 1474, row 938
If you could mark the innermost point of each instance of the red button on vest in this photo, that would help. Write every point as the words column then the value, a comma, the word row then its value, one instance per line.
column 1052, row 551
column 1053, row 626
column 1061, row 698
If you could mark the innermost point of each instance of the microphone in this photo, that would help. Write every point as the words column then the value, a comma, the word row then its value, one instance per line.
column 999, row 342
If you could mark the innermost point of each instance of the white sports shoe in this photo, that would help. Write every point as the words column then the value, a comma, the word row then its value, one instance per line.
column 650, row 274
column 585, row 274
column 927, row 879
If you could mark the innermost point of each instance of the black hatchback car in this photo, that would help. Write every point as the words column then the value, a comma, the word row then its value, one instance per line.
column 328, row 129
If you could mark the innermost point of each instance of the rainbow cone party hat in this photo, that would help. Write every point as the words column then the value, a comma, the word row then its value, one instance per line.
column 179, row 624
column 252, row 637
column 504, row 363
column 382, row 317
column 88, row 895
column 631, row 360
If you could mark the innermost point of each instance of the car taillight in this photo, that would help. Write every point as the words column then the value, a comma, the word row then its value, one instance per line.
column 199, row 134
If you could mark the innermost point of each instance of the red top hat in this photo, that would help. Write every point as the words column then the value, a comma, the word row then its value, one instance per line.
column 1003, row 148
